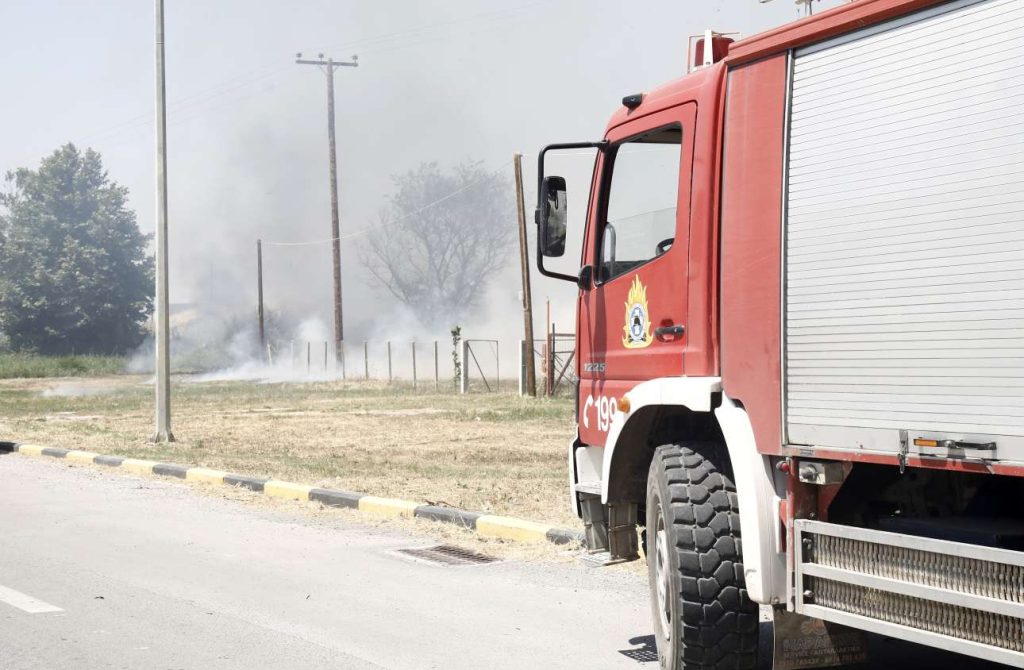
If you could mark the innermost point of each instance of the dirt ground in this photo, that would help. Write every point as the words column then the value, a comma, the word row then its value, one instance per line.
column 495, row 453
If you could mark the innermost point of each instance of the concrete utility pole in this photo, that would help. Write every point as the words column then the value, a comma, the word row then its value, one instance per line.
column 329, row 66
column 524, row 265
column 161, row 318
column 259, row 292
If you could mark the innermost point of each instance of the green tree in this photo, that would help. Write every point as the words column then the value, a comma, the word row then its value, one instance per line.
column 75, row 274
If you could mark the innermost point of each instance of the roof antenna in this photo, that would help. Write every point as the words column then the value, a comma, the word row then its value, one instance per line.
column 808, row 5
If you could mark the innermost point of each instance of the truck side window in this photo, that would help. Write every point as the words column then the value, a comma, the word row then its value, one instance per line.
column 641, row 202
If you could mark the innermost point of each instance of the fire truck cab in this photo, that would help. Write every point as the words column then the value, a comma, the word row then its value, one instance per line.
column 800, row 336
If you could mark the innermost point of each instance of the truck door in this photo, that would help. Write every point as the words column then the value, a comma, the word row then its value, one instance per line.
column 632, row 318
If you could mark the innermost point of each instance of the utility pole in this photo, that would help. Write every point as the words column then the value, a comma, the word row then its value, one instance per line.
column 161, row 317
column 524, row 266
column 329, row 66
column 259, row 292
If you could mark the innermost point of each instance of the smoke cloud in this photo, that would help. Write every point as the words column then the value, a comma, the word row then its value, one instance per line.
column 441, row 81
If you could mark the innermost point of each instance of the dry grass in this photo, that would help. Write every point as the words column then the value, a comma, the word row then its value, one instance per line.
column 495, row 453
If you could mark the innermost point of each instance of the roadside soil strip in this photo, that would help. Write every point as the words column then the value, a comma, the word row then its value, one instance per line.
column 494, row 452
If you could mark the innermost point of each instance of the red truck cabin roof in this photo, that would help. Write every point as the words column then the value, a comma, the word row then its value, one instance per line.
column 806, row 31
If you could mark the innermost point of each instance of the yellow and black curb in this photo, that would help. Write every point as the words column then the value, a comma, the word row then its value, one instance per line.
column 485, row 525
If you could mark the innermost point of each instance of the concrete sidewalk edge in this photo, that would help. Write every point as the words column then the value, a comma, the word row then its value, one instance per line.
column 508, row 528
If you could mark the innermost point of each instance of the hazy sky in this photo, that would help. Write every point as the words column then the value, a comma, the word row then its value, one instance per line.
column 441, row 80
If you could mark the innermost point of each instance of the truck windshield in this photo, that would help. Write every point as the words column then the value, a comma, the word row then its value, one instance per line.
column 641, row 204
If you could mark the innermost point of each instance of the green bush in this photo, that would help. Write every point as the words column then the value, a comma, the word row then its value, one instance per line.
column 19, row 366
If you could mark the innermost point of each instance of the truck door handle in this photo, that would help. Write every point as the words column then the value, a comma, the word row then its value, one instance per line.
column 665, row 332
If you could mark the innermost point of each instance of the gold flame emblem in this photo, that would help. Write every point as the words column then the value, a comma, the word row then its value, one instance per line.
column 638, row 325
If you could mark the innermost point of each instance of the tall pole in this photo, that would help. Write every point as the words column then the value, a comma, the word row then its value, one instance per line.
column 329, row 66
column 524, row 267
column 161, row 317
column 259, row 292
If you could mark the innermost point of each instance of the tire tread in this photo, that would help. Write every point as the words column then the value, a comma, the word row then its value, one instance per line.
column 719, row 622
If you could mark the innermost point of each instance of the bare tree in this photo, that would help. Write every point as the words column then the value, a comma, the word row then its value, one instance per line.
column 441, row 238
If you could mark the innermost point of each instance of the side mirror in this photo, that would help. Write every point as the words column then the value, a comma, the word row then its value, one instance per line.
column 552, row 217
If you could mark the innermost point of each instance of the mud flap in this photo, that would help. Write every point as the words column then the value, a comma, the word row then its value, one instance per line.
column 803, row 642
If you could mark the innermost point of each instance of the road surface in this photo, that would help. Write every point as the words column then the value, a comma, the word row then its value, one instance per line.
column 103, row 570
column 150, row 574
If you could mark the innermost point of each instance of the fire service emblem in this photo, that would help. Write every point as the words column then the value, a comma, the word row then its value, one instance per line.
column 638, row 324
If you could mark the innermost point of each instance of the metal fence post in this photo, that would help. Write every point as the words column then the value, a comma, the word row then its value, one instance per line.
column 366, row 359
column 497, row 367
column 552, row 363
column 437, row 370
column 325, row 356
column 414, row 364
column 464, row 371
column 309, row 356
column 389, row 362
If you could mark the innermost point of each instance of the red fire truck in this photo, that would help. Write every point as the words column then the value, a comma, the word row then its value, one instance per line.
column 801, row 336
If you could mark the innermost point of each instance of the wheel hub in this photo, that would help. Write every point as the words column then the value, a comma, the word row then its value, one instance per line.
column 663, row 580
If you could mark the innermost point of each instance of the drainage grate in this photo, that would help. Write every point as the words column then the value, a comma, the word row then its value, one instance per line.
column 647, row 652
column 446, row 554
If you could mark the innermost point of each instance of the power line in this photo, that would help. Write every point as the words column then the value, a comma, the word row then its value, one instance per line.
column 366, row 229
column 373, row 44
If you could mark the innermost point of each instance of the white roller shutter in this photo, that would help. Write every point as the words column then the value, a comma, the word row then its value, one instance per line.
column 904, row 261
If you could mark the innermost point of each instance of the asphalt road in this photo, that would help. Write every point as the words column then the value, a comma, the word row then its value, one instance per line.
column 150, row 574
column 102, row 570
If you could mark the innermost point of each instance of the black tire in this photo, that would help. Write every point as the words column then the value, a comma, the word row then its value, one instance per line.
column 705, row 619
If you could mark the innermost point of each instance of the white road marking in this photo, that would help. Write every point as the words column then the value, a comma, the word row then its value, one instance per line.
column 25, row 602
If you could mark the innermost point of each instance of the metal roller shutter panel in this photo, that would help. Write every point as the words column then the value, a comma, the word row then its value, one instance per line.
column 904, row 236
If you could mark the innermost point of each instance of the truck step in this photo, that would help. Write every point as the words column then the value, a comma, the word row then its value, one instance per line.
column 601, row 559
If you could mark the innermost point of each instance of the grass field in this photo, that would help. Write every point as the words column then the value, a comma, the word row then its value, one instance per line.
column 15, row 366
column 495, row 453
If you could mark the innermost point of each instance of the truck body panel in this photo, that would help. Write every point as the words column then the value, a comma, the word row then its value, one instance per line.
column 752, row 201
column 904, row 252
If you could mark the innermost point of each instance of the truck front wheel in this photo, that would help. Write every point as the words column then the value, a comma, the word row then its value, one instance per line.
column 703, row 617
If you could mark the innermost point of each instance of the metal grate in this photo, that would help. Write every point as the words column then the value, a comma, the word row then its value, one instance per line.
column 955, row 573
column 446, row 554
column 959, row 622
column 646, row 653
column 957, row 596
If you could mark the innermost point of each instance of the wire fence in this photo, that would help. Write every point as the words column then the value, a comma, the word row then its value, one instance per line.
column 474, row 365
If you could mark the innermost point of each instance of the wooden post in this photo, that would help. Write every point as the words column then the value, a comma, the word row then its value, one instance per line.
column 464, row 377
column 524, row 268
column 341, row 355
column 437, row 370
column 547, row 352
column 366, row 359
column 259, row 292
column 389, row 362
column 521, row 373
column 325, row 355
column 309, row 355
